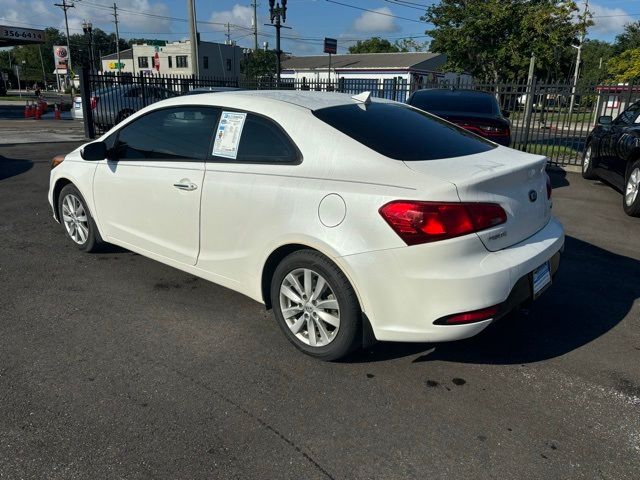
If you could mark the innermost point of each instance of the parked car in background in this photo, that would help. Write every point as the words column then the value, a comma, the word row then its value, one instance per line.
column 475, row 111
column 340, row 213
column 195, row 91
column 76, row 108
column 113, row 104
column 612, row 153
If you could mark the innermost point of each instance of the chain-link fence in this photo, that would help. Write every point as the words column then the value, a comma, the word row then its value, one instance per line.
column 543, row 118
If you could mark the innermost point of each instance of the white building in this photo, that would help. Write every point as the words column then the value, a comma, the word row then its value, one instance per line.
column 215, row 59
column 393, row 75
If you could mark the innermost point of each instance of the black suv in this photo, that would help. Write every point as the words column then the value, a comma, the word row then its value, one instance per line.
column 612, row 153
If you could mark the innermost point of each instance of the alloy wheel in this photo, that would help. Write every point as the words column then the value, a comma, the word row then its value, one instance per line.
column 633, row 184
column 74, row 217
column 310, row 307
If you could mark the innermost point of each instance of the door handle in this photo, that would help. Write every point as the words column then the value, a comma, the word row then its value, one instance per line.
column 185, row 185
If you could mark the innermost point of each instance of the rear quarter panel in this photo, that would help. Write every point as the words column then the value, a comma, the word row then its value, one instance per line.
column 250, row 210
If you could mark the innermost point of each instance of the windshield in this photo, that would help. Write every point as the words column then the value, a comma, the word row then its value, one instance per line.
column 447, row 101
column 401, row 132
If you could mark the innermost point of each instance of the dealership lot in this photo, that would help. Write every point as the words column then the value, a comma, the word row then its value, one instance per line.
column 116, row 366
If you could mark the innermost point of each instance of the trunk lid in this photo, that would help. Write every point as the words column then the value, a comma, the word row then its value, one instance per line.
column 514, row 180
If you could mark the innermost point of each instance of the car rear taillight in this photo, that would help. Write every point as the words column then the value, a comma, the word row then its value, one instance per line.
column 487, row 130
column 94, row 102
column 549, row 187
column 422, row 222
column 469, row 317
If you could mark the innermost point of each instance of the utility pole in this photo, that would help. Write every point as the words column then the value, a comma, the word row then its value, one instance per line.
column 66, row 6
column 254, row 4
column 44, row 76
column 193, row 35
column 278, row 14
column 528, row 109
column 228, row 34
column 576, row 72
column 115, row 20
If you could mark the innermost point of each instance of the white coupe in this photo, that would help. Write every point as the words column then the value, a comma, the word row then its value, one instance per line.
column 352, row 218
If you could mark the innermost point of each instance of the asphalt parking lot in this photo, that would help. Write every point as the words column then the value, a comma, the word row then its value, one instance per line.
column 116, row 366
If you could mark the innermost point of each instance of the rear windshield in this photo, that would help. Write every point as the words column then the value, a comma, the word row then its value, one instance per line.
column 446, row 101
column 402, row 133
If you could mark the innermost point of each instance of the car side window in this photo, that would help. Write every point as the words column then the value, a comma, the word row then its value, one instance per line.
column 263, row 141
column 133, row 93
column 179, row 133
column 628, row 117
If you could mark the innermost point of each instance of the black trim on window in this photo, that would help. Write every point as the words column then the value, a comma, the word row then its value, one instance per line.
column 215, row 159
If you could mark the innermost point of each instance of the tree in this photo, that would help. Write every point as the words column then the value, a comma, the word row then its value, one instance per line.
column 410, row 45
column 374, row 45
column 628, row 39
column 626, row 66
column 260, row 63
column 494, row 39
column 593, row 53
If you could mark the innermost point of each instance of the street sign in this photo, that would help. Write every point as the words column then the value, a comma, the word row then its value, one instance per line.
column 61, row 57
column 330, row 45
column 19, row 36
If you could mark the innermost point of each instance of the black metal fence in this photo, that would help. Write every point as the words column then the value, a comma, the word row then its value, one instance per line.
column 552, row 119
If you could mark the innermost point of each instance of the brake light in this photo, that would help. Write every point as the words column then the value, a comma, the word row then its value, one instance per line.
column 487, row 130
column 423, row 222
column 549, row 187
column 94, row 102
column 469, row 317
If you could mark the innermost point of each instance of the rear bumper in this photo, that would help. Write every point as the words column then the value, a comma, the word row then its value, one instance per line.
column 404, row 290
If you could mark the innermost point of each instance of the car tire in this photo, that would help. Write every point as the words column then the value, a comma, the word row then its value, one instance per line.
column 587, row 163
column 323, row 320
column 77, row 220
column 631, row 192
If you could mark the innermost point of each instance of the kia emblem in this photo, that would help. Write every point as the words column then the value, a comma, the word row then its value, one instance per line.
column 533, row 196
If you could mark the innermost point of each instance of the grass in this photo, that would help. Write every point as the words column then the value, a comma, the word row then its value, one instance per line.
column 553, row 151
column 24, row 98
column 561, row 117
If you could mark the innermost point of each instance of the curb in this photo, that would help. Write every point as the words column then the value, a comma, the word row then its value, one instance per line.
column 565, row 168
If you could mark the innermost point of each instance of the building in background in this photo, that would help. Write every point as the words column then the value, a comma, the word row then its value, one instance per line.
column 174, row 58
column 394, row 75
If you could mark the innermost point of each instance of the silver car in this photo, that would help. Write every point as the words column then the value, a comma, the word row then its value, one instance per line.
column 113, row 104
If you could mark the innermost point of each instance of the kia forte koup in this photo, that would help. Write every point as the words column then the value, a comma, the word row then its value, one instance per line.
column 353, row 218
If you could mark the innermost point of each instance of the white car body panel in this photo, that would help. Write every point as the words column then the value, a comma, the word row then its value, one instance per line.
column 138, row 203
column 225, row 230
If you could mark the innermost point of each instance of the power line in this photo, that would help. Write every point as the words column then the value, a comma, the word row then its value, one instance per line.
column 401, row 4
column 376, row 12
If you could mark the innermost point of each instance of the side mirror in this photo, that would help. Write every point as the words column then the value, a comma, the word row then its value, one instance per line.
column 94, row 151
column 605, row 120
column 506, row 113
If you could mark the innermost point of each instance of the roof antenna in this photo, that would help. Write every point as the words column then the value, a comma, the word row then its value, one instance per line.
column 364, row 98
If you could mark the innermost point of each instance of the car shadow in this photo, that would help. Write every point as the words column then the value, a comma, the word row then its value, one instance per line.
column 558, row 177
column 10, row 167
column 593, row 291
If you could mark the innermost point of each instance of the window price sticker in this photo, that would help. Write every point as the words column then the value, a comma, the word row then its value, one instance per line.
column 228, row 134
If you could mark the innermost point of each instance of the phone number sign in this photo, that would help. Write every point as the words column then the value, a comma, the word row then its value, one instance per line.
column 17, row 35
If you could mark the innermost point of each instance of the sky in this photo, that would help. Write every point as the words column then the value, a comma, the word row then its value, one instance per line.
column 310, row 20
